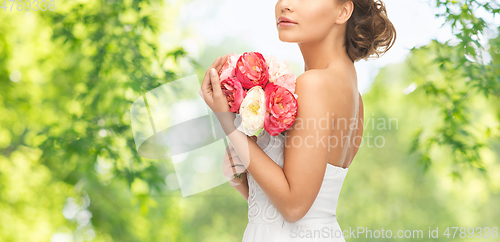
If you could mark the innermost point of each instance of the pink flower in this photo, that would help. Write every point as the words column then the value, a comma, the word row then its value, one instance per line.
column 281, row 108
column 280, row 74
column 227, row 69
column 231, row 87
column 252, row 70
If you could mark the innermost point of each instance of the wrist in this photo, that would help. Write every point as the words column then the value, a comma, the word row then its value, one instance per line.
column 226, row 120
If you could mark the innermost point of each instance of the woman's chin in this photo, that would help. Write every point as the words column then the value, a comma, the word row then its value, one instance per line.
column 287, row 38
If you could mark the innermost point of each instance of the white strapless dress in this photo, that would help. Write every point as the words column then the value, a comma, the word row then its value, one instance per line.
column 265, row 223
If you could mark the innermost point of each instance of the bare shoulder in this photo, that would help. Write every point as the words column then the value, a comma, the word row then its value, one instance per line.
column 326, row 86
column 315, row 76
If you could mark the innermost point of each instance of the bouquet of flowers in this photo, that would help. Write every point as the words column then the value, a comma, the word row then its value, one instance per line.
column 261, row 90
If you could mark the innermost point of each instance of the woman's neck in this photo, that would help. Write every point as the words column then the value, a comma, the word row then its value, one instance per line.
column 324, row 53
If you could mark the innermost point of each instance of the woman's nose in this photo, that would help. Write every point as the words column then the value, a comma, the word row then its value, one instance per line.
column 285, row 5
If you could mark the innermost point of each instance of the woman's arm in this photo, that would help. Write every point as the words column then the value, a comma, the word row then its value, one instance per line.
column 293, row 189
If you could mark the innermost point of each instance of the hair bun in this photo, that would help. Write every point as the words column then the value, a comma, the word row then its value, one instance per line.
column 369, row 31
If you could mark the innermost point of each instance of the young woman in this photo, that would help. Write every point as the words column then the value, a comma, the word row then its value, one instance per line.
column 293, row 180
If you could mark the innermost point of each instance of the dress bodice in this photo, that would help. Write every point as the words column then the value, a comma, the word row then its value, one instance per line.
column 267, row 224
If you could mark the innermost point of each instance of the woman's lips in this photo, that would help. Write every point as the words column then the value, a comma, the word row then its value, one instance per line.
column 284, row 21
column 284, row 24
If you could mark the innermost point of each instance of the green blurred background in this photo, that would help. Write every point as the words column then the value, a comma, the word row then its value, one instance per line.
column 69, row 170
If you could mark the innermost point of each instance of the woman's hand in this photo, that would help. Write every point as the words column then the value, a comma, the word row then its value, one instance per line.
column 211, row 90
column 232, row 165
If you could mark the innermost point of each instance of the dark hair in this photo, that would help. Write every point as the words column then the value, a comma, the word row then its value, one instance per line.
column 368, row 29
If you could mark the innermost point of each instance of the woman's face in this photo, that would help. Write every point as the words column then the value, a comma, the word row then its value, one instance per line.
column 313, row 19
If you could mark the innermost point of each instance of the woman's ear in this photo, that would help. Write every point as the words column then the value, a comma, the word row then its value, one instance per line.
column 345, row 13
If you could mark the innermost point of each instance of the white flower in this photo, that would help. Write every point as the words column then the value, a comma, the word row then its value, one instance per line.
column 277, row 67
column 280, row 74
column 252, row 111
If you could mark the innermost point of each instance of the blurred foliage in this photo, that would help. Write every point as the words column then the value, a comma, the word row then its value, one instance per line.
column 68, row 163
column 386, row 189
column 462, row 76
column 69, row 170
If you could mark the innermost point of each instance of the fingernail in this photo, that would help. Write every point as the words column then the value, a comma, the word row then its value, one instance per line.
column 213, row 72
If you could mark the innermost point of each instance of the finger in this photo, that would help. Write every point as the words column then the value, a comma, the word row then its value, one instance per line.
column 229, row 172
column 206, row 89
column 237, row 169
column 221, row 64
column 240, row 169
column 232, row 165
column 214, row 78
column 235, row 182
column 229, row 151
column 232, row 150
column 236, row 165
column 236, row 162
column 227, row 169
column 219, row 67
column 206, row 85
column 216, row 63
column 226, row 166
column 228, row 158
